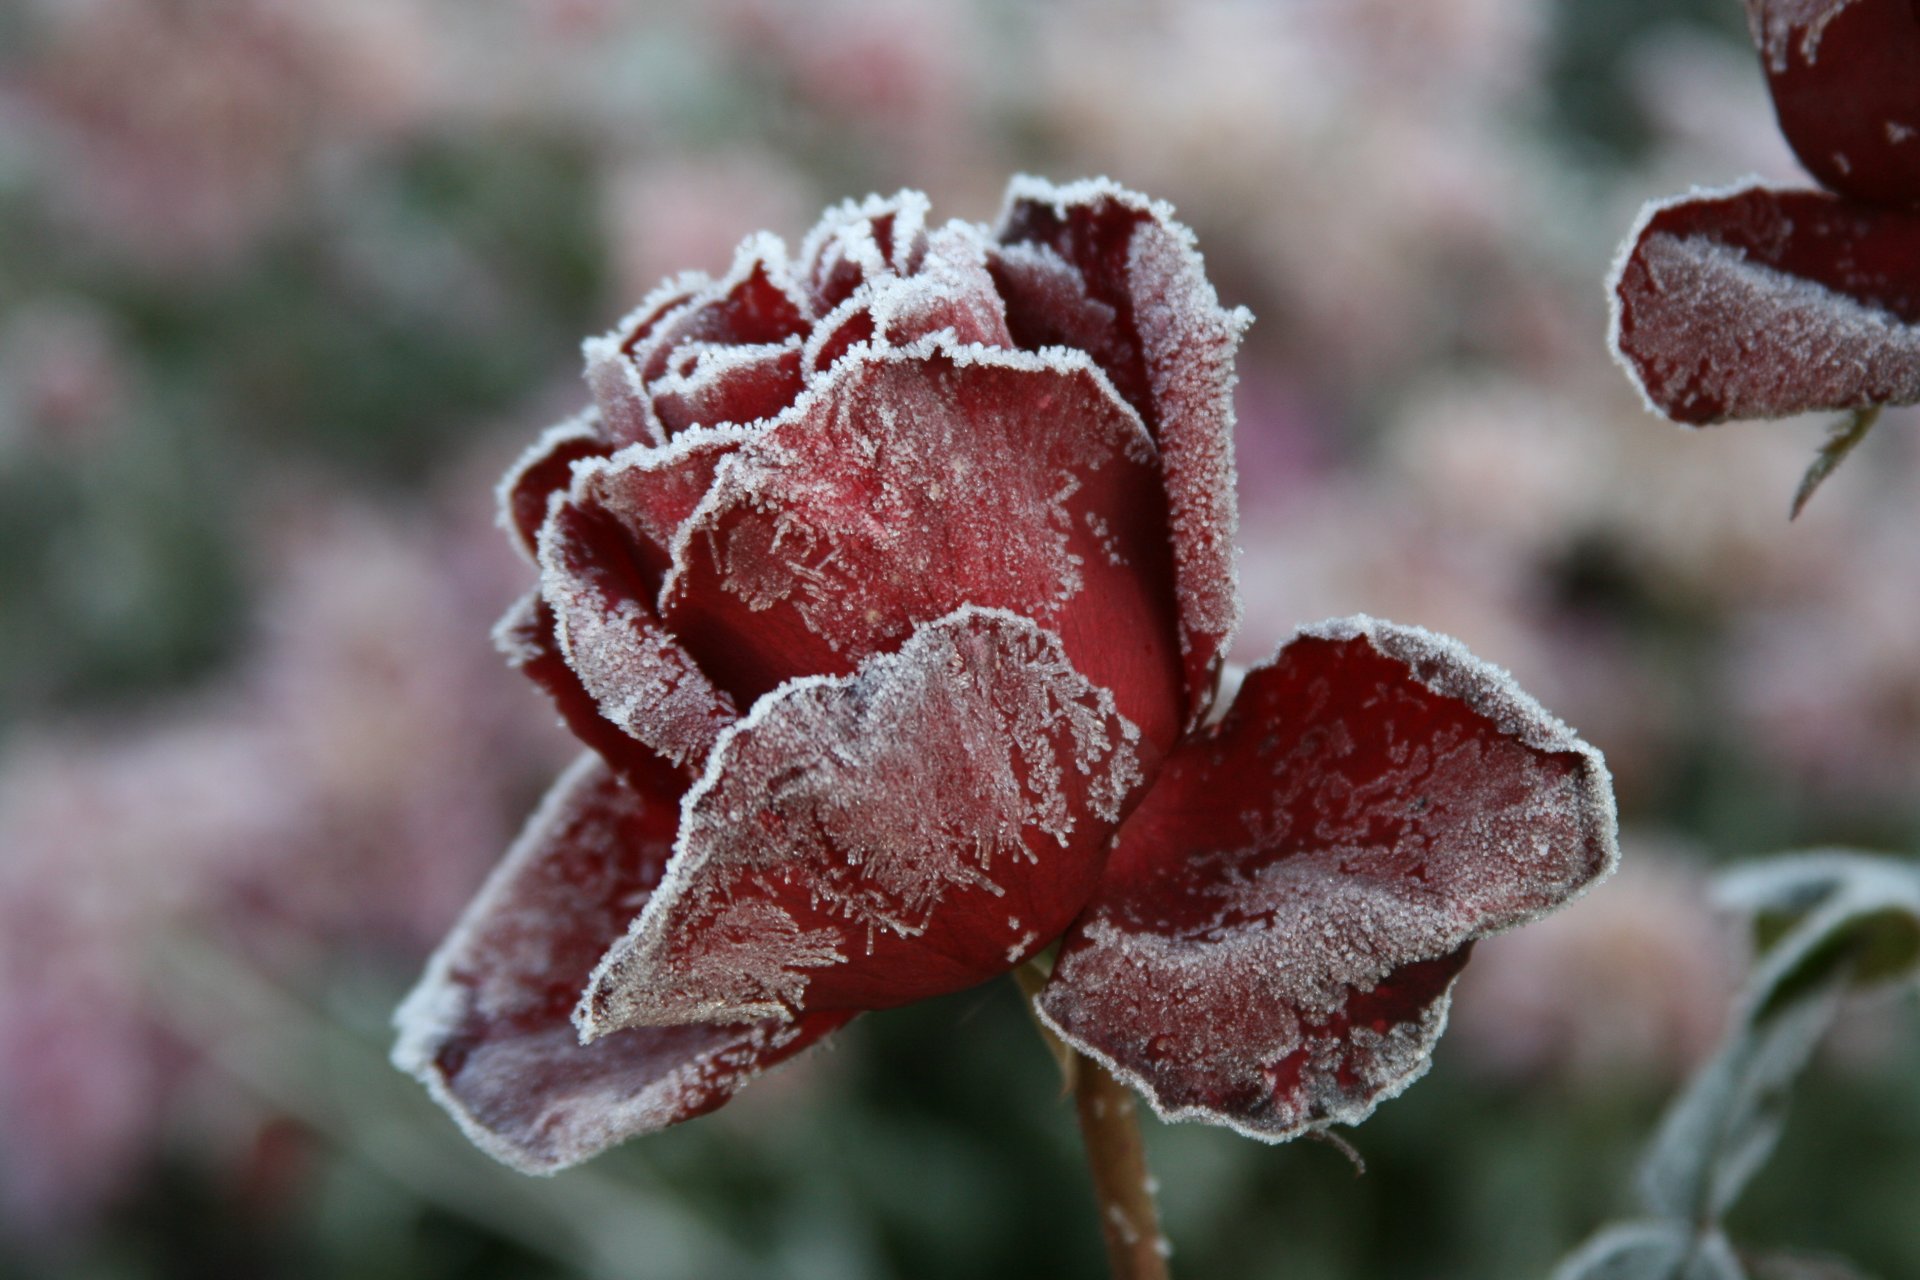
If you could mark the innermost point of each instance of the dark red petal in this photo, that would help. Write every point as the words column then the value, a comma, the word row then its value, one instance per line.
column 1759, row 303
column 653, row 491
column 1168, row 348
column 909, row 830
column 525, row 636
column 1282, row 916
column 754, row 304
column 848, row 325
column 717, row 384
column 1845, row 76
column 951, row 291
column 488, row 1029
column 908, row 484
column 857, row 244
column 643, row 682
column 543, row 470
column 618, row 391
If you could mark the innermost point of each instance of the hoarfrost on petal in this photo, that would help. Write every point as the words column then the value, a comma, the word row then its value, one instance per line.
column 858, row 842
column 862, row 242
column 487, row 1027
column 1169, row 348
column 1283, row 916
column 544, row 469
column 643, row 682
column 911, row 482
column 1756, row 303
column 712, row 384
column 652, row 491
column 952, row 292
column 525, row 636
column 1845, row 86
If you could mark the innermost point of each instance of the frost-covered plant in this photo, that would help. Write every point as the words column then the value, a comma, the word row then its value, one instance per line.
column 1826, row 923
column 1761, row 302
column 889, row 585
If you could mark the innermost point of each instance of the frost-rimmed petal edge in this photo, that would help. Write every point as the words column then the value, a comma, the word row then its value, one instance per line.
column 757, row 605
column 1186, row 342
column 1846, row 375
column 544, row 468
column 1448, row 671
column 640, row 1082
column 1066, row 756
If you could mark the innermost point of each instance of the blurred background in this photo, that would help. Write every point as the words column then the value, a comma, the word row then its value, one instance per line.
column 284, row 286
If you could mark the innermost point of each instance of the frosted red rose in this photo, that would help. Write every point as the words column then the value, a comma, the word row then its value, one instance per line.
column 889, row 585
column 1759, row 302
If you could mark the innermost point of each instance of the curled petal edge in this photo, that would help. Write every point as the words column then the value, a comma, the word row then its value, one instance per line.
column 1449, row 669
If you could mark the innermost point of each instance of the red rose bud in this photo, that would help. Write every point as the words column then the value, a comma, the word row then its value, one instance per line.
column 889, row 585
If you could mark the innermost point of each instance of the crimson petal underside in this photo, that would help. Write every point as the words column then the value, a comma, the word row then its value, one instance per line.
column 488, row 1030
column 1094, row 266
column 1764, row 303
column 858, row 842
column 1275, row 938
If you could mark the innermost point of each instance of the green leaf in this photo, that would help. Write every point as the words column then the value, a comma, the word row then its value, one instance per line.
column 1816, row 912
column 1722, row 1128
column 1841, row 440
column 1653, row 1251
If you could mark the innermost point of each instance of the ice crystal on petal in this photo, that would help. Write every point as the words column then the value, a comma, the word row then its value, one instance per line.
column 873, row 811
column 1168, row 347
column 545, row 468
column 1285, row 913
column 1774, row 23
column 633, row 667
column 487, row 1029
column 710, row 384
column 912, row 482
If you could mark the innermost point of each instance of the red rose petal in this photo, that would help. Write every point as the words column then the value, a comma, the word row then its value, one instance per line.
column 911, row 483
column 525, row 636
column 951, row 291
column 1758, row 303
column 488, row 1030
column 909, row 830
column 856, row 244
column 653, row 491
column 1845, row 76
column 1282, row 916
column 722, row 384
column 643, row 682
column 754, row 304
column 1169, row 349
column 849, row 325
column 543, row 470
column 614, row 381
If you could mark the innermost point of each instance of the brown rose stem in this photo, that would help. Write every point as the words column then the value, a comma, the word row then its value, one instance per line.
column 1122, row 1187
column 1110, row 1128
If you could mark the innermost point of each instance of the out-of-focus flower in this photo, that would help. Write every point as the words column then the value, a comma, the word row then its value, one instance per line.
column 1762, row 302
column 179, row 133
column 1826, row 685
column 890, row 585
column 352, row 781
column 1659, row 966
